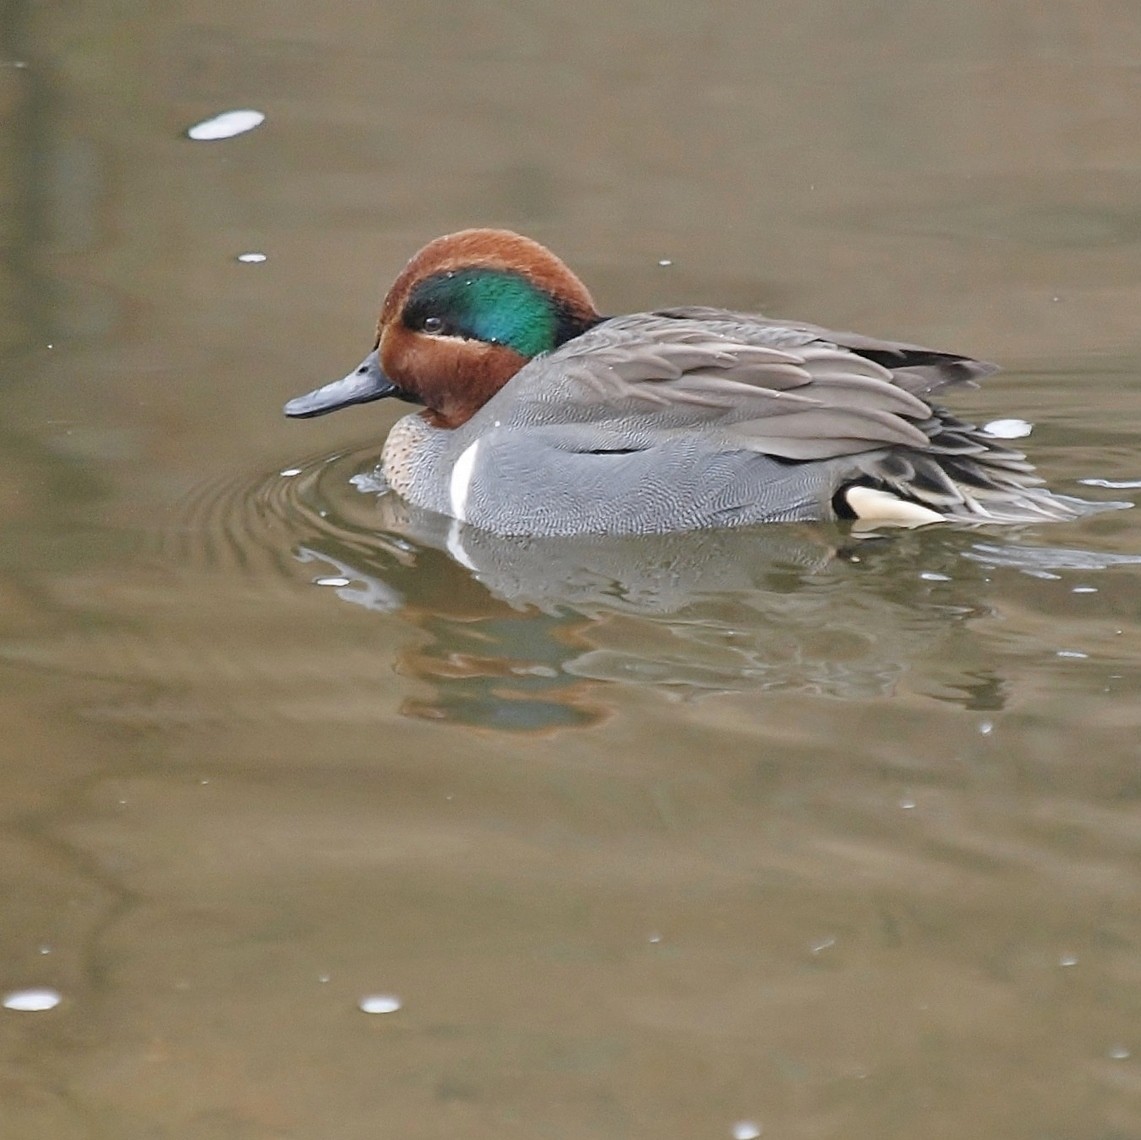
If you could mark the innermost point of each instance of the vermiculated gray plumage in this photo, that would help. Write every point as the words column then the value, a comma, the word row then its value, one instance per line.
column 698, row 417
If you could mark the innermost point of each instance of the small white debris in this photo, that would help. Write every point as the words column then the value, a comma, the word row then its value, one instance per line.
column 1119, row 1053
column 1068, row 960
column 225, row 126
column 1008, row 429
column 746, row 1130
column 333, row 580
column 369, row 483
column 986, row 728
column 664, row 262
column 907, row 803
column 379, row 1003
column 32, row 1000
column 1113, row 484
column 1084, row 590
column 931, row 576
column 289, row 472
column 251, row 258
column 1076, row 653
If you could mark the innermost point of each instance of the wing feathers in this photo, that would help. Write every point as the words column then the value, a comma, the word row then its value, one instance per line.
column 812, row 402
column 737, row 382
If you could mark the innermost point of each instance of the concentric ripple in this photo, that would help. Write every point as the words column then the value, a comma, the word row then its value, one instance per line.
column 258, row 523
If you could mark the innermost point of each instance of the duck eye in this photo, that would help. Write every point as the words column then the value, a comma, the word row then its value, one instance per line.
column 433, row 325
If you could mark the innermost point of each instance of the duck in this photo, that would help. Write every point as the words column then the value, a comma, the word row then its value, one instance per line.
column 538, row 416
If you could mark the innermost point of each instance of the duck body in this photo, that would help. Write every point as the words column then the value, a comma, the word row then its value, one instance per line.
column 543, row 418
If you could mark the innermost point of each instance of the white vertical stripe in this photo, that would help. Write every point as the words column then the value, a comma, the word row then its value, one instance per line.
column 456, row 546
column 461, row 481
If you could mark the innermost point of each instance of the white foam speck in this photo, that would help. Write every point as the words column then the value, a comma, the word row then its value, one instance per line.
column 1076, row 653
column 251, row 258
column 1084, row 590
column 1119, row 1053
column 746, row 1130
column 32, row 1000
column 931, row 576
column 1008, row 429
column 289, row 472
column 369, row 482
column 664, row 262
column 1068, row 960
column 379, row 1003
column 1113, row 484
column 333, row 580
column 226, row 125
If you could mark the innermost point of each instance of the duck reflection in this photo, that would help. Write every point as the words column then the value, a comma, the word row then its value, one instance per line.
column 526, row 634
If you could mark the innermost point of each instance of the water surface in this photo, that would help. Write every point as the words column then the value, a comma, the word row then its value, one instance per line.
column 789, row 828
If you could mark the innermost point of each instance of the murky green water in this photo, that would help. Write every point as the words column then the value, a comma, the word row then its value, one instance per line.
column 779, row 830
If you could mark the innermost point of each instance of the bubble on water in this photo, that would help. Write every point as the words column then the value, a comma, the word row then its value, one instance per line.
column 664, row 262
column 225, row 126
column 986, row 728
column 32, row 1000
column 251, row 258
column 1008, row 429
column 746, row 1130
column 379, row 1003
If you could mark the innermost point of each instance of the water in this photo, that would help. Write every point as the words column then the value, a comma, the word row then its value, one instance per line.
column 788, row 828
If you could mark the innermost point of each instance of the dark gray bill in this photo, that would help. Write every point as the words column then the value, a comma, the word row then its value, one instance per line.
column 364, row 383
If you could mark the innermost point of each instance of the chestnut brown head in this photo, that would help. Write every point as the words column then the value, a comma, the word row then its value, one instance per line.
column 465, row 314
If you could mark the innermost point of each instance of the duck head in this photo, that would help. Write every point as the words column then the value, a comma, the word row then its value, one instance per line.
column 465, row 314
